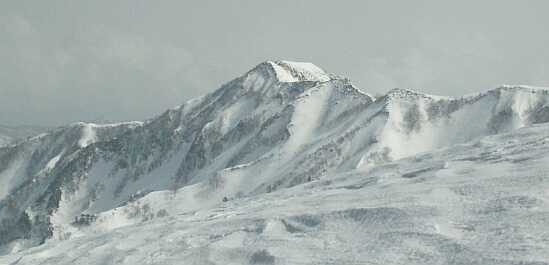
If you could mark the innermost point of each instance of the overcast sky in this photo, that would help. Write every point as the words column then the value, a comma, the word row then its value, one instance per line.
column 66, row 61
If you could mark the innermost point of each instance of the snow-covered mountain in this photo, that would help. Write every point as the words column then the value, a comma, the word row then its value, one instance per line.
column 10, row 134
column 280, row 125
column 484, row 203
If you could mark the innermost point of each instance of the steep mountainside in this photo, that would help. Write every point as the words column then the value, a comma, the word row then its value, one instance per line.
column 279, row 125
column 483, row 203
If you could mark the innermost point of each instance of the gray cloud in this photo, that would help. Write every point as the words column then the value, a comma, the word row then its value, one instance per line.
column 64, row 61
column 100, row 74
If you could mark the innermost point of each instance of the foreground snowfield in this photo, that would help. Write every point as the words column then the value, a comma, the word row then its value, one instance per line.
column 482, row 202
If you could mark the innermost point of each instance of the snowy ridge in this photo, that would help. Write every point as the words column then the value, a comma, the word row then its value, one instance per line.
column 89, row 130
column 5, row 140
column 281, row 125
column 409, row 93
column 11, row 134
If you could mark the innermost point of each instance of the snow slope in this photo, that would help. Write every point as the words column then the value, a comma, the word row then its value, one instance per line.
column 483, row 202
column 278, row 127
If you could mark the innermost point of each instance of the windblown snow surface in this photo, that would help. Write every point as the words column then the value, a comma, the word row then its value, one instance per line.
column 288, row 164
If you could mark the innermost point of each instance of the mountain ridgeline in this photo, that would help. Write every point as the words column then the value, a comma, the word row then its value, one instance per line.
column 12, row 134
column 279, row 125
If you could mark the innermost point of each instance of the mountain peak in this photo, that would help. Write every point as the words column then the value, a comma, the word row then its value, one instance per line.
column 289, row 72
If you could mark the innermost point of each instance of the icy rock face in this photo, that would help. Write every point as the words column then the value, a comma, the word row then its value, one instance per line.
column 34, row 173
column 279, row 125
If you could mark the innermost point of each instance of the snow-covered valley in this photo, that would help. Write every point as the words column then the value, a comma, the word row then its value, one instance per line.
column 288, row 164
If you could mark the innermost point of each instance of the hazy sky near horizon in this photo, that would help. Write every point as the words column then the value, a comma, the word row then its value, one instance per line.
column 67, row 61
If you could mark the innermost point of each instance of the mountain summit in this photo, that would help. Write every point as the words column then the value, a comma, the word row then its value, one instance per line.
column 280, row 125
column 287, row 71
